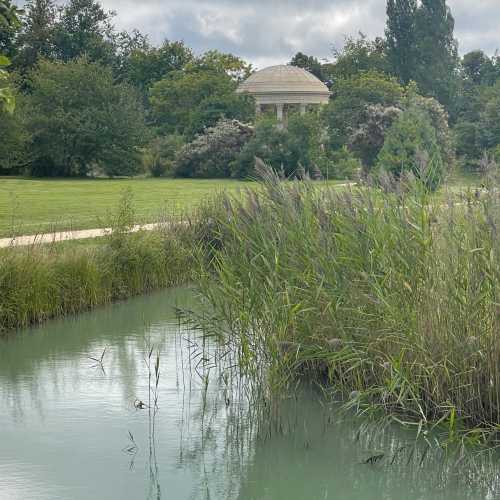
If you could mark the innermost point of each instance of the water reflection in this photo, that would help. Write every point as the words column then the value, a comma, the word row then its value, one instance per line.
column 69, row 428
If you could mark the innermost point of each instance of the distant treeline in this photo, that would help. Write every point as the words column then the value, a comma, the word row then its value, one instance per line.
column 91, row 100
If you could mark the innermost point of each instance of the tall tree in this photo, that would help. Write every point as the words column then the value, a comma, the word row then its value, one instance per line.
column 9, row 25
column 9, row 22
column 80, row 120
column 479, row 69
column 309, row 63
column 147, row 65
column 437, row 58
column 36, row 39
column 84, row 29
column 401, row 38
column 358, row 55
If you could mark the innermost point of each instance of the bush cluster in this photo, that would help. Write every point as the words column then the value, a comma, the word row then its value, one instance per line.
column 390, row 298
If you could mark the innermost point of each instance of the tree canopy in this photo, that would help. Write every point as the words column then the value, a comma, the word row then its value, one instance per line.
column 79, row 120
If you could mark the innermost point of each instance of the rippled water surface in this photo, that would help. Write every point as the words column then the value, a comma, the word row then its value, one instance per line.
column 69, row 429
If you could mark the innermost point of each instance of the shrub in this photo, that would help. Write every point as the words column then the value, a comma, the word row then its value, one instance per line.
column 296, row 147
column 367, row 140
column 438, row 117
column 213, row 153
column 411, row 145
column 350, row 100
column 160, row 155
column 342, row 164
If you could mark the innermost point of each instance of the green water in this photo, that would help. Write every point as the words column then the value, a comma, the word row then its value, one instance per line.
column 65, row 424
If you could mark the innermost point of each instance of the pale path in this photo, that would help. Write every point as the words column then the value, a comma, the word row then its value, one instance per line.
column 84, row 234
column 44, row 238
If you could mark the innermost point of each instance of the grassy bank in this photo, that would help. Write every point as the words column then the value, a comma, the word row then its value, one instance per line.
column 390, row 299
column 29, row 206
column 45, row 281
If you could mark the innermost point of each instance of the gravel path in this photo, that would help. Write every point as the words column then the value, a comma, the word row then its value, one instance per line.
column 40, row 239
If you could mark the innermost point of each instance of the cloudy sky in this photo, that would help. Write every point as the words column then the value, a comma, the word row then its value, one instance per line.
column 272, row 31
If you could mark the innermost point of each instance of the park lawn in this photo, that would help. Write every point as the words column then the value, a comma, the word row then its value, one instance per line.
column 31, row 206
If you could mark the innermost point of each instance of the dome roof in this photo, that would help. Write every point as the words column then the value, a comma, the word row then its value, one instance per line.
column 283, row 79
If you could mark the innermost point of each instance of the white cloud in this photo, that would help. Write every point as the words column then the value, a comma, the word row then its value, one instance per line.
column 272, row 31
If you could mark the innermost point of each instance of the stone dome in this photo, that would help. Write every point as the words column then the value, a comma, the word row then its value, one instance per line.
column 283, row 79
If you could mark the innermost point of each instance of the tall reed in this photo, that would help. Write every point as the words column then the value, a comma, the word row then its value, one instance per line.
column 387, row 295
column 45, row 281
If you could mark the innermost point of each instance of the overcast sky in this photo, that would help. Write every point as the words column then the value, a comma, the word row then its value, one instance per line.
column 271, row 31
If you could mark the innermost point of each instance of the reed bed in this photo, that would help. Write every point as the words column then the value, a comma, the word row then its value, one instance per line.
column 45, row 281
column 389, row 296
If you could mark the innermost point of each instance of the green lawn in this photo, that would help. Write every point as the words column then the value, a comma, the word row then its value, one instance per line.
column 29, row 206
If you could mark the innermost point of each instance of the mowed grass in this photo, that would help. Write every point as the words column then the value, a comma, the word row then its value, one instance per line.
column 32, row 206
column 29, row 206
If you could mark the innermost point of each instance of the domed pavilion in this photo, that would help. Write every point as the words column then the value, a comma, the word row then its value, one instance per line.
column 284, row 87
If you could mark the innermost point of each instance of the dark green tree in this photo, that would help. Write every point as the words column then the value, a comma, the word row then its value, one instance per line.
column 36, row 39
column 411, row 145
column 84, row 29
column 401, row 38
column 351, row 98
column 187, row 101
column 80, row 121
column 9, row 21
column 437, row 60
column 309, row 63
column 479, row 69
column 9, row 25
column 358, row 55
column 146, row 65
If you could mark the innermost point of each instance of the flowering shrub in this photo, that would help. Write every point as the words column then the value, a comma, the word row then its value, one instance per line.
column 213, row 153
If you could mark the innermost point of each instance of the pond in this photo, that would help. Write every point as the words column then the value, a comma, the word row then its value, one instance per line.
column 69, row 428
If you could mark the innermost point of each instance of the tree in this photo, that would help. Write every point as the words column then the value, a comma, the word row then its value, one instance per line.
column 14, row 154
column 351, row 97
column 36, row 39
column 146, row 65
column 80, row 121
column 437, row 59
column 84, row 29
column 187, row 101
column 298, row 146
column 358, row 55
column 401, row 38
column 9, row 24
column 308, row 63
column 488, row 131
column 368, row 139
column 8, row 21
column 479, row 69
column 421, row 46
column 160, row 155
column 213, row 60
column 411, row 145
column 212, row 154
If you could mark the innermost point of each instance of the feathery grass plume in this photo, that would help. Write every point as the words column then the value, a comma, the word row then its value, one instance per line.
column 387, row 293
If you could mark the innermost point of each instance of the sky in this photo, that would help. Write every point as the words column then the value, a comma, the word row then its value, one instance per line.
column 266, row 32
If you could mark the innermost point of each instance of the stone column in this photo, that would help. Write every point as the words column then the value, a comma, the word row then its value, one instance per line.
column 279, row 112
column 258, row 109
column 303, row 108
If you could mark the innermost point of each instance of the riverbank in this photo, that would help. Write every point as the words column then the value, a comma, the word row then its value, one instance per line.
column 43, row 281
column 388, row 299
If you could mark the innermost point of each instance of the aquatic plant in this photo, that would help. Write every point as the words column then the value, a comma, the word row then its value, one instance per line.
column 45, row 281
column 387, row 295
